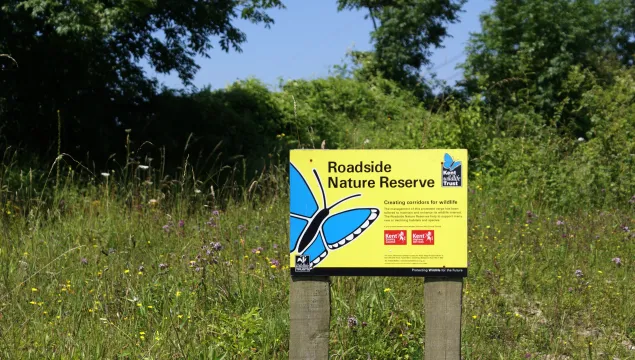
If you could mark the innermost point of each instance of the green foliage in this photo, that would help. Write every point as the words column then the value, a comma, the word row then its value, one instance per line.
column 527, row 49
column 404, row 32
column 82, row 58
column 351, row 114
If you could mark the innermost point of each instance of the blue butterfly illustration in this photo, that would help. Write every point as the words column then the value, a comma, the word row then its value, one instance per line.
column 449, row 163
column 313, row 229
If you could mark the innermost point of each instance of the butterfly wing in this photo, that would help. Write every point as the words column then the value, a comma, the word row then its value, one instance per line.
column 302, row 200
column 344, row 227
column 316, row 251
column 296, row 228
column 302, row 206
column 447, row 161
column 455, row 165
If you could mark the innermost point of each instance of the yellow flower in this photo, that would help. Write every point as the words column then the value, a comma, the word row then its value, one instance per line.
column 142, row 333
column 273, row 266
column 387, row 290
column 178, row 293
column 139, row 305
column 474, row 317
column 180, row 316
column 150, row 307
column 142, row 337
column 126, row 271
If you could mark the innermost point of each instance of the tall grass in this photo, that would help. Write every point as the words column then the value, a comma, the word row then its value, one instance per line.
column 137, row 263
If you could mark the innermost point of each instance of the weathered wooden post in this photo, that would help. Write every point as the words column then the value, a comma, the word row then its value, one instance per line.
column 310, row 312
column 337, row 197
column 442, row 297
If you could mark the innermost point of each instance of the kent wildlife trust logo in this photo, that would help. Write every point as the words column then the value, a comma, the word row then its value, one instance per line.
column 422, row 237
column 451, row 172
column 395, row 237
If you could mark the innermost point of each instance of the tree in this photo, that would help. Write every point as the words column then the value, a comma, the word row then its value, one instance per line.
column 527, row 50
column 404, row 31
column 82, row 57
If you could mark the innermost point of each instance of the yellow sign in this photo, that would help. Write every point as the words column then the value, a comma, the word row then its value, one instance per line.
column 378, row 212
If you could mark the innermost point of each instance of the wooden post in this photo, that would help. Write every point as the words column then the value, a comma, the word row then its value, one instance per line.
column 310, row 313
column 443, row 297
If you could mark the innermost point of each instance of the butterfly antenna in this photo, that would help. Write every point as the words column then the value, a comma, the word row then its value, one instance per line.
column 344, row 199
column 321, row 187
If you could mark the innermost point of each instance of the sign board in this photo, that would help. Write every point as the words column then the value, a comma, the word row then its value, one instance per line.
column 378, row 212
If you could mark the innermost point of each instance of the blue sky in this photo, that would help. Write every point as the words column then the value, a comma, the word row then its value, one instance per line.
column 308, row 38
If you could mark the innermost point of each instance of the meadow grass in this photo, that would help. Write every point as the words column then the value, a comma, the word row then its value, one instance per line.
column 137, row 266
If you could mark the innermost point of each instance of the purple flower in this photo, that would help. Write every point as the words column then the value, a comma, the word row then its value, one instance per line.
column 578, row 273
column 625, row 228
column 617, row 261
column 211, row 222
column 529, row 213
column 559, row 222
column 166, row 228
column 257, row 250
column 215, row 213
column 84, row 261
column 275, row 262
column 527, row 356
column 163, row 266
column 216, row 246
column 275, row 246
column 632, row 200
column 198, row 269
column 352, row 321
column 181, row 223
column 241, row 228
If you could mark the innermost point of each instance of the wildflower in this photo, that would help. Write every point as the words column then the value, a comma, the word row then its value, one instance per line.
column 143, row 167
column 364, row 323
column 181, row 223
column 578, row 273
column 275, row 246
column 111, row 251
column 215, row 213
column 527, row 356
column 197, row 191
column 274, row 262
column 632, row 200
column 617, row 261
column 105, row 174
column 216, row 246
column 625, row 228
column 150, row 307
column 559, row 222
column 152, row 202
column 211, row 222
column 178, row 293
column 126, row 271
column 352, row 321
column 166, row 228
column 84, row 261
column 386, row 290
column 141, row 268
column 474, row 317
column 163, row 266
column 33, row 289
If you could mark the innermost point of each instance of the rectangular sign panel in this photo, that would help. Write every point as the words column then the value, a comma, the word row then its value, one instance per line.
column 378, row 212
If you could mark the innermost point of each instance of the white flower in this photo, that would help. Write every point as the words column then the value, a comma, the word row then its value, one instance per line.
column 197, row 191
column 580, row 139
column 143, row 167
column 105, row 175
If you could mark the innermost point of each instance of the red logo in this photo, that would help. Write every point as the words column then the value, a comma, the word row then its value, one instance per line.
column 395, row 237
column 422, row 237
